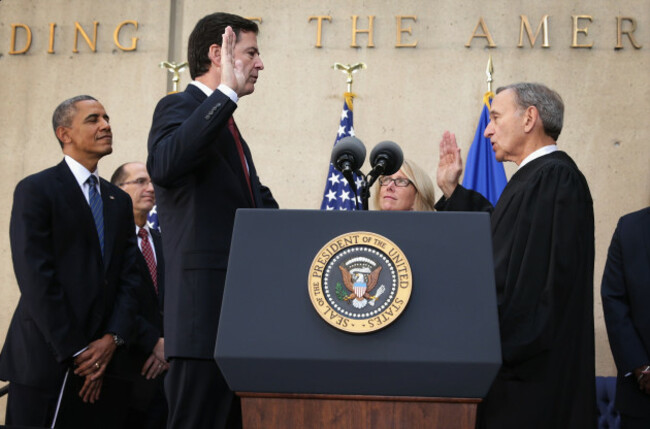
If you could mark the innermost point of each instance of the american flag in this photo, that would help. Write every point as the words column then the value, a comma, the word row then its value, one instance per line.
column 338, row 195
column 152, row 218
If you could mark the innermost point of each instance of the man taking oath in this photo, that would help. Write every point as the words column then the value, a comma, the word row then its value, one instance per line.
column 203, row 171
column 543, row 243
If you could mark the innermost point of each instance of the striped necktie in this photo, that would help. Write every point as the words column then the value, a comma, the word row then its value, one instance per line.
column 147, row 252
column 97, row 207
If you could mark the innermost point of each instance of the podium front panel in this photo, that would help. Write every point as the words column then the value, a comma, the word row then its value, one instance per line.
column 445, row 344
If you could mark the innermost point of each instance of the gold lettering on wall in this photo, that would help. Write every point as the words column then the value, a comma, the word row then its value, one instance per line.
column 401, row 30
column 355, row 30
column 584, row 30
column 319, row 27
column 486, row 34
column 116, row 36
column 525, row 25
column 28, row 41
column 51, row 48
column 254, row 18
column 629, row 33
column 79, row 29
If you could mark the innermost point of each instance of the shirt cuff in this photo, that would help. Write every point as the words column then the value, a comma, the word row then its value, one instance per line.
column 228, row 91
column 80, row 351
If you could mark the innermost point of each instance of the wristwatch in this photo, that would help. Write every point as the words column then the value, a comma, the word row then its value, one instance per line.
column 118, row 340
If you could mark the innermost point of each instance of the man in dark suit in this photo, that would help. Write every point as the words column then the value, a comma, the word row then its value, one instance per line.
column 626, row 293
column 203, row 172
column 73, row 253
column 144, row 362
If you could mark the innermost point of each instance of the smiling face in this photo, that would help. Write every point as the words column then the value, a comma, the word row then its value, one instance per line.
column 88, row 137
column 247, row 52
column 392, row 197
column 506, row 129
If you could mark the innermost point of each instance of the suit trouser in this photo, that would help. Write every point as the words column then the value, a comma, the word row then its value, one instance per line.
column 628, row 422
column 199, row 397
column 30, row 406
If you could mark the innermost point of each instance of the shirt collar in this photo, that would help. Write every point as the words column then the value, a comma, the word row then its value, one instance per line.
column 80, row 173
column 146, row 227
column 203, row 87
column 544, row 150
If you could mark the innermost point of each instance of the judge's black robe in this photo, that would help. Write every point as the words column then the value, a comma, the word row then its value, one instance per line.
column 543, row 240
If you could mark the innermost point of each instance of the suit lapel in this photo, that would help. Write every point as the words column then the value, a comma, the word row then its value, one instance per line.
column 232, row 155
column 237, row 165
column 645, row 222
column 74, row 197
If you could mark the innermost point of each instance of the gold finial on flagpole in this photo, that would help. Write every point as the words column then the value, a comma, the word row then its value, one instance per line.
column 349, row 69
column 176, row 69
column 488, row 71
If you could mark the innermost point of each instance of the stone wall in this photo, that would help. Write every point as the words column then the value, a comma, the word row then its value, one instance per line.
column 408, row 94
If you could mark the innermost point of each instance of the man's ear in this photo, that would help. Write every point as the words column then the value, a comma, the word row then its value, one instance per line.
column 62, row 133
column 214, row 53
column 531, row 117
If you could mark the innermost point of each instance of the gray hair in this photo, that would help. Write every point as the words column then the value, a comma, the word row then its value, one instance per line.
column 63, row 113
column 548, row 103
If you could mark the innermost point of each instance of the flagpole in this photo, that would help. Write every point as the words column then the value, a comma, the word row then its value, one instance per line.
column 488, row 71
column 349, row 69
column 483, row 173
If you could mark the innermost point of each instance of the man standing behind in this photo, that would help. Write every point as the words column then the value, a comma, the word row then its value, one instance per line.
column 543, row 242
column 145, row 359
column 626, row 293
column 73, row 252
column 203, row 172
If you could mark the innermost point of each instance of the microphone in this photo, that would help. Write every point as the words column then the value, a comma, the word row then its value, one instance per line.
column 386, row 159
column 348, row 155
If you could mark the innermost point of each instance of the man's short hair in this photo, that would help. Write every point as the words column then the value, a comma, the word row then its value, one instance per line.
column 209, row 31
column 548, row 103
column 62, row 116
column 120, row 175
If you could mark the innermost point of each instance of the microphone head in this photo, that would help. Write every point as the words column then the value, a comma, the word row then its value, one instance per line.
column 348, row 149
column 389, row 154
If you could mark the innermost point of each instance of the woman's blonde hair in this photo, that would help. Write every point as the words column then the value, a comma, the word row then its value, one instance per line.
column 425, row 198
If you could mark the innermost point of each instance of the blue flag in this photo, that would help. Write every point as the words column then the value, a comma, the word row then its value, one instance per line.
column 483, row 173
column 338, row 195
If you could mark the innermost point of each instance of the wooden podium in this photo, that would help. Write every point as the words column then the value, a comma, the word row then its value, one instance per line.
column 428, row 369
column 281, row 411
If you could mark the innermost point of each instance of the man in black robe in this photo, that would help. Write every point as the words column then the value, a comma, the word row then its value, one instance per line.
column 543, row 241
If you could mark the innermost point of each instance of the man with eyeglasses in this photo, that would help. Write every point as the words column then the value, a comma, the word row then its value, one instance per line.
column 144, row 363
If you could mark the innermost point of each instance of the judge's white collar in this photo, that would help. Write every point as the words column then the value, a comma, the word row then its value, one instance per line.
column 544, row 150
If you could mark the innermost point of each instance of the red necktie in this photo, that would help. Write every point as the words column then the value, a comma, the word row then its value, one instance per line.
column 147, row 252
column 242, row 157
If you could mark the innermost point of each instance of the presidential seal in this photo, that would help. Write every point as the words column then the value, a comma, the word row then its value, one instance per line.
column 360, row 282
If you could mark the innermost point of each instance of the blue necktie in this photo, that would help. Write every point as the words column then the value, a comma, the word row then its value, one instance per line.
column 97, row 207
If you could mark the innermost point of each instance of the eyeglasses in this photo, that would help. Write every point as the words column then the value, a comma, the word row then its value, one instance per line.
column 142, row 181
column 400, row 182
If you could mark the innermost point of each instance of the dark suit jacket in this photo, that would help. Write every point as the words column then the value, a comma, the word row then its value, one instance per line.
column 149, row 320
column 200, row 183
column 626, row 294
column 70, row 296
column 128, row 362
